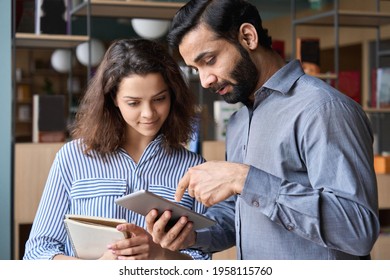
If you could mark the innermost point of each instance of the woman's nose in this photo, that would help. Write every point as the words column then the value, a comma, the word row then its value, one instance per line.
column 147, row 111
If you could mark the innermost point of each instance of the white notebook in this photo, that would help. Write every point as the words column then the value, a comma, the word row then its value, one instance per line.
column 91, row 235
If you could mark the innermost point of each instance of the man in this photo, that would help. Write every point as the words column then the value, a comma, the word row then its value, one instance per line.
column 299, row 153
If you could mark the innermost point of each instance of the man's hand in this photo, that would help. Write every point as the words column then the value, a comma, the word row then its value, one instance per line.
column 213, row 181
column 210, row 183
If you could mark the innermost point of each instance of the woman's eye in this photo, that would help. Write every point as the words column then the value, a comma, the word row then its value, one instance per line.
column 160, row 99
column 132, row 104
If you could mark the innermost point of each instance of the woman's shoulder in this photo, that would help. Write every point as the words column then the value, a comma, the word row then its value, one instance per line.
column 71, row 148
column 74, row 144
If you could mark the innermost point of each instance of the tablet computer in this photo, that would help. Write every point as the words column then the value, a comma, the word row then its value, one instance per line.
column 142, row 202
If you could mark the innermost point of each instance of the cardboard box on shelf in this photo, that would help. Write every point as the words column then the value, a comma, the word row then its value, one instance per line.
column 382, row 164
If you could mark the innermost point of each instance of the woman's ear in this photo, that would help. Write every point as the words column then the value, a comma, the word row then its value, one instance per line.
column 248, row 36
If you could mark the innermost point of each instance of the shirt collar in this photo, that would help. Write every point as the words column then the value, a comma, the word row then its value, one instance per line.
column 284, row 79
column 156, row 142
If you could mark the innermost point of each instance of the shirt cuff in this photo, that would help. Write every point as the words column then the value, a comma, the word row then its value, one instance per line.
column 261, row 190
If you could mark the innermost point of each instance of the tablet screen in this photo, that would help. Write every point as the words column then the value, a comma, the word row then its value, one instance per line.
column 142, row 202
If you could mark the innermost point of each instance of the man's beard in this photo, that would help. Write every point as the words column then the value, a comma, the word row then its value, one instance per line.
column 246, row 76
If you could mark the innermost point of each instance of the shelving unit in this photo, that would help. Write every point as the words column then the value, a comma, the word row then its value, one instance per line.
column 31, row 40
column 337, row 19
column 23, row 107
column 127, row 9
column 123, row 9
column 36, row 43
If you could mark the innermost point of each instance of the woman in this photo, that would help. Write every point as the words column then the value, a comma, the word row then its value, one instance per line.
column 128, row 135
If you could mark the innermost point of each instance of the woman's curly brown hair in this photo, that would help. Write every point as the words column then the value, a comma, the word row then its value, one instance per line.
column 99, row 122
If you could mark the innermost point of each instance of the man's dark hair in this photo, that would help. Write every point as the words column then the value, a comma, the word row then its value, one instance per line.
column 224, row 18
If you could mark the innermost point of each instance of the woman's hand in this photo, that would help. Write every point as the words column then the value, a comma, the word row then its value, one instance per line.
column 138, row 246
column 108, row 255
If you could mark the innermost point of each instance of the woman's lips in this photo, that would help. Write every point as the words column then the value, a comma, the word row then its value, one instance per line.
column 149, row 123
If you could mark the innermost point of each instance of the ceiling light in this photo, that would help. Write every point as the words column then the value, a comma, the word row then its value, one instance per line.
column 150, row 28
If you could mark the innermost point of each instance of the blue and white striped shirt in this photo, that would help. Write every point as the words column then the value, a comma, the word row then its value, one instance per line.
column 89, row 185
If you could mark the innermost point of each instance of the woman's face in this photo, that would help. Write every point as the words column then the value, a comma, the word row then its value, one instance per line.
column 144, row 102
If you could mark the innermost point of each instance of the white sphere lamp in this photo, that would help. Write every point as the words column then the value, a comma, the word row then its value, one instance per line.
column 97, row 52
column 61, row 60
column 150, row 28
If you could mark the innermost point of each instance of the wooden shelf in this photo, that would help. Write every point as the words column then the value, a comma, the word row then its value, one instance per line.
column 376, row 110
column 128, row 9
column 346, row 18
column 325, row 76
column 31, row 40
